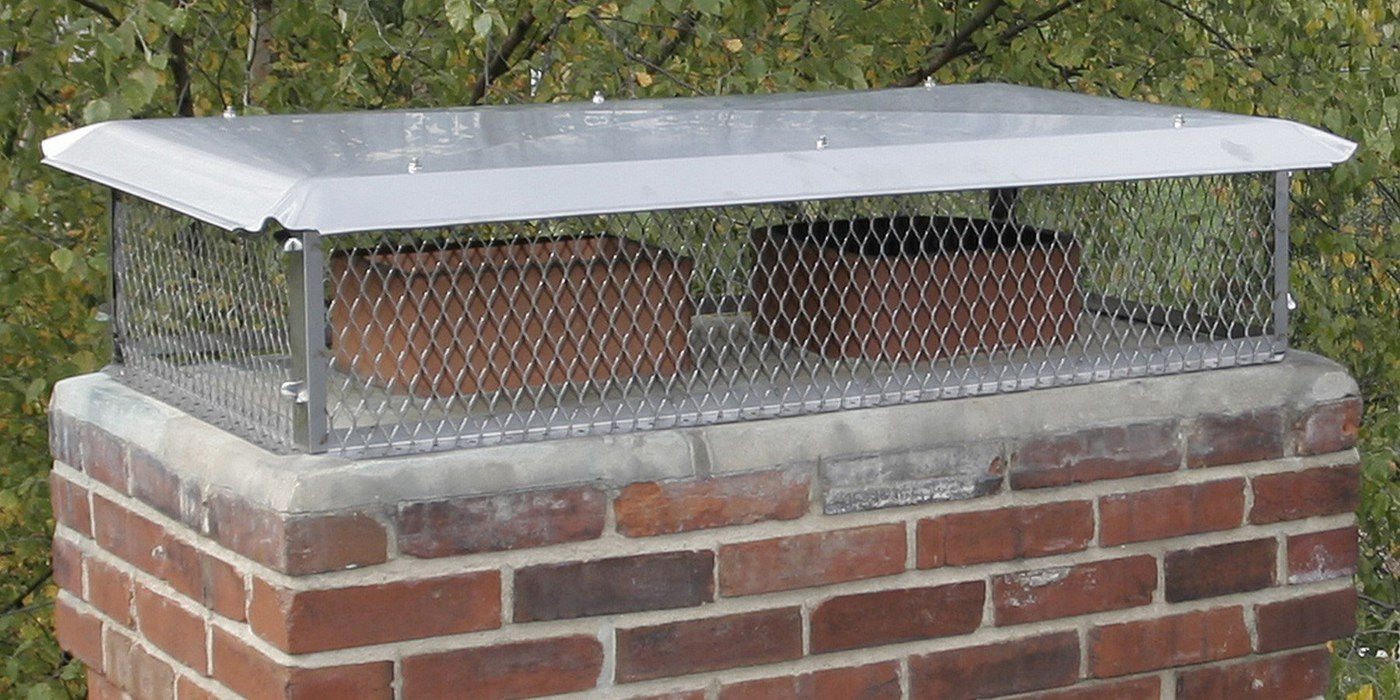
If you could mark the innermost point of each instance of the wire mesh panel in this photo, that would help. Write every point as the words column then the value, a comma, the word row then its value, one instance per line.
column 529, row 330
column 201, row 319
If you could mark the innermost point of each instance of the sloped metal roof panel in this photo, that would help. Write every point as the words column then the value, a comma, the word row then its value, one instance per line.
column 362, row 171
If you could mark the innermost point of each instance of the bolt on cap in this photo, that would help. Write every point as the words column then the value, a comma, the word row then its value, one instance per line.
column 598, row 97
column 414, row 165
column 1178, row 121
column 230, row 112
column 822, row 142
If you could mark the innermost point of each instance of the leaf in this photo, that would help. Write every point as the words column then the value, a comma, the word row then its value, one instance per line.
column 98, row 110
column 459, row 14
column 734, row 45
column 1365, row 692
column 644, row 78
column 62, row 259
column 482, row 24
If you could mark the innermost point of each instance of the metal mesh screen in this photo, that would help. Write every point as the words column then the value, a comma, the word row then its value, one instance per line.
column 200, row 317
column 530, row 330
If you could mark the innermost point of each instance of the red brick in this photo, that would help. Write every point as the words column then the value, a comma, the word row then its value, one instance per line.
column 710, row 644
column 1301, row 622
column 815, row 559
column 131, row 537
column 102, row 456
column 677, row 695
column 657, row 508
column 1220, row 569
column 186, row 689
column 618, row 585
column 159, row 487
column 1065, row 591
column 70, row 504
column 497, row 523
column 1177, row 640
column 1112, row 452
column 1319, row 556
column 204, row 578
column 870, row 682
column 171, row 628
column 67, row 566
column 110, row 590
column 301, row 622
column 1018, row 666
column 297, row 545
column 99, row 688
column 1313, row 492
column 1146, row 688
column 1174, row 511
column 1287, row 677
column 250, row 674
column 135, row 670
column 889, row 617
column 1328, row 427
column 516, row 670
column 79, row 633
column 959, row 539
column 1235, row 439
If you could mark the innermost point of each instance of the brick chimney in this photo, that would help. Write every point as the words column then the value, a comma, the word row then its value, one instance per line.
column 1186, row 536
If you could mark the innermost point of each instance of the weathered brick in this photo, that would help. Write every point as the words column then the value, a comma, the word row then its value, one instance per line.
column 135, row 670
column 70, row 504
column 697, row 694
column 1018, row 666
column 710, row 644
column 814, row 559
column 658, row 508
column 1177, row 640
column 304, row 621
column 1301, row 622
column 1328, row 427
column 171, row 628
column 496, row 523
column 63, row 439
column 186, row 689
column 888, row 479
column 902, row 615
column 128, row 535
column 159, row 487
column 79, row 633
column 1064, row 591
column 1145, row 688
column 1220, row 569
column 297, row 545
column 878, row 681
column 1254, row 436
column 110, row 590
column 1319, row 556
column 100, row 688
column 959, row 539
column 249, row 673
column 102, row 456
column 67, row 566
column 516, row 670
column 1174, row 511
column 618, row 585
column 1112, row 452
column 1287, row 677
column 1305, row 494
column 205, row 578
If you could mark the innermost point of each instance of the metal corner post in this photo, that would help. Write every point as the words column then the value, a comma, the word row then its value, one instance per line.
column 1282, row 298
column 307, row 324
column 116, row 253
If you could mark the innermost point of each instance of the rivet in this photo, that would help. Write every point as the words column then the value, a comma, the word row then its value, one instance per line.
column 930, row 83
column 292, row 245
column 414, row 165
column 1178, row 121
column 230, row 112
column 822, row 142
column 598, row 97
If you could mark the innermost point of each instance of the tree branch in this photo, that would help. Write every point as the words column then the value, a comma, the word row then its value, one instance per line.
column 499, row 63
column 260, row 54
column 1221, row 40
column 99, row 9
column 180, row 75
column 685, row 26
column 18, row 602
column 950, row 51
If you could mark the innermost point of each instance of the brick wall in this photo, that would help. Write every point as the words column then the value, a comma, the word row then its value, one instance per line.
column 1198, row 556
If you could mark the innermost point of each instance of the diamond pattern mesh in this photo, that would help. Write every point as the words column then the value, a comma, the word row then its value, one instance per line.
column 530, row 330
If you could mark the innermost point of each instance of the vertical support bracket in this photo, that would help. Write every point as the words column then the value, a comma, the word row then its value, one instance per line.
column 116, row 254
column 307, row 326
column 1282, row 298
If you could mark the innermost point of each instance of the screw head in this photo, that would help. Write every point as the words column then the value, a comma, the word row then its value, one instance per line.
column 230, row 112
column 598, row 97
column 930, row 83
column 292, row 245
column 414, row 165
column 822, row 142
column 1178, row 121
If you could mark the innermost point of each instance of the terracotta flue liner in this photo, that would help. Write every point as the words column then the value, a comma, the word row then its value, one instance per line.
column 914, row 288
column 504, row 315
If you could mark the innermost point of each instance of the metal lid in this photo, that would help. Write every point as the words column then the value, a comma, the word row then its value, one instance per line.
column 415, row 168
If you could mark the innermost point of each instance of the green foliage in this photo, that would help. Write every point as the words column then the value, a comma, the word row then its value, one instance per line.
column 1329, row 62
